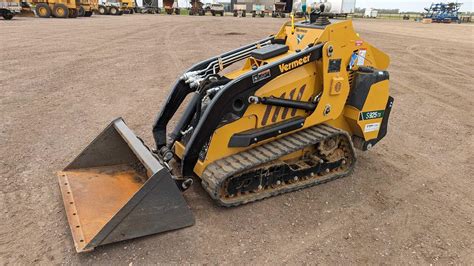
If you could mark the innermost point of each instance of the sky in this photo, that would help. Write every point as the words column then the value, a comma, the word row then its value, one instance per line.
column 403, row 5
column 408, row 5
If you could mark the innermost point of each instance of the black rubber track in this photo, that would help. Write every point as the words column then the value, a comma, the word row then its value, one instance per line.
column 217, row 172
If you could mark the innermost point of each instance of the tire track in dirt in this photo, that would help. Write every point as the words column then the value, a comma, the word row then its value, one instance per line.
column 54, row 97
column 413, row 51
column 170, row 46
column 429, row 50
column 406, row 86
column 387, row 190
column 96, row 48
column 442, row 90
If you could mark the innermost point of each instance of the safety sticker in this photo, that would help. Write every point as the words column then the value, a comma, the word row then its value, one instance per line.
column 261, row 76
column 371, row 127
column 353, row 60
column 361, row 58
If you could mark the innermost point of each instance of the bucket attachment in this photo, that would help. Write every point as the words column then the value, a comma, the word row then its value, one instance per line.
column 117, row 190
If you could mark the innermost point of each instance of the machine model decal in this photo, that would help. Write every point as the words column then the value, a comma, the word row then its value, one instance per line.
column 292, row 65
column 261, row 76
column 371, row 127
column 371, row 115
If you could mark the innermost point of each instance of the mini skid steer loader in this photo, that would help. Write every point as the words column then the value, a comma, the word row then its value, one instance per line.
column 287, row 119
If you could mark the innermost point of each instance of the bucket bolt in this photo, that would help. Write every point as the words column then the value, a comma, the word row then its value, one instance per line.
column 166, row 154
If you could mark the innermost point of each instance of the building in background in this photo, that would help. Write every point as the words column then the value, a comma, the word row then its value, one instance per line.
column 371, row 13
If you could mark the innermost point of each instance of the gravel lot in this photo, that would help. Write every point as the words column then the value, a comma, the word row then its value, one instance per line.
column 410, row 200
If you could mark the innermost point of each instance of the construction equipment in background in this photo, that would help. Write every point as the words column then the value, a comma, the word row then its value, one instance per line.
column 26, row 9
column 110, row 7
column 149, row 7
column 279, row 10
column 443, row 12
column 197, row 8
column 288, row 118
column 258, row 10
column 215, row 9
column 240, row 10
column 9, row 8
column 128, row 6
column 87, row 7
column 171, row 7
column 116, row 7
column 56, row 8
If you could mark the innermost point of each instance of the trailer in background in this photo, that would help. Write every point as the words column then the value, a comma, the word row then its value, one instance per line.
column 339, row 8
column 258, row 10
column 240, row 10
column 279, row 10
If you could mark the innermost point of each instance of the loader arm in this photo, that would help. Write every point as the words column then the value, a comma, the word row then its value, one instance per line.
column 181, row 89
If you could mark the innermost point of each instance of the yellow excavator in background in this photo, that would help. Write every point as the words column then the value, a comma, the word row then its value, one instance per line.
column 56, row 8
column 87, row 7
column 288, row 118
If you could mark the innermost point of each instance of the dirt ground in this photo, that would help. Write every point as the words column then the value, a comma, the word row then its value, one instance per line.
column 410, row 200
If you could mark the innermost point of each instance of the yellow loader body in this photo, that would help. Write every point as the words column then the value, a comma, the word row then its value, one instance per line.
column 288, row 118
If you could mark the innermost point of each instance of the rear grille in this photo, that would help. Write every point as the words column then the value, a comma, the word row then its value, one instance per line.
column 351, row 78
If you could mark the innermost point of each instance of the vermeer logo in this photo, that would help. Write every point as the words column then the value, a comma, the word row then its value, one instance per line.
column 294, row 64
column 299, row 37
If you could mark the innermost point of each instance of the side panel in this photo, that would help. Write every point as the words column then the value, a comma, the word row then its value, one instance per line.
column 297, row 85
column 236, row 93
column 336, row 84
column 366, row 122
